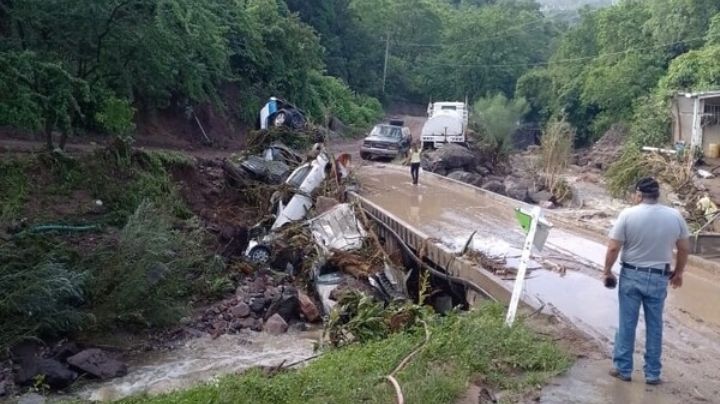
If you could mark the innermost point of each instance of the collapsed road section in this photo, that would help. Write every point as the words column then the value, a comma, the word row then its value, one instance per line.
column 447, row 220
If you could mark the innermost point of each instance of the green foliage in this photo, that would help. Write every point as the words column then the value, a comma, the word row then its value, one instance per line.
column 78, row 65
column 495, row 118
column 13, row 188
column 116, row 116
column 359, row 318
column 58, row 284
column 536, row 87
column 145, row 279
column 694, row 71
column 488, row 49
column 41, row 290
column 461, row 347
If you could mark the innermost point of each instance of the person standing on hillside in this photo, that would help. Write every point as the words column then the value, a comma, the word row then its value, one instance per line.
column 415, row 158
column 646, row 234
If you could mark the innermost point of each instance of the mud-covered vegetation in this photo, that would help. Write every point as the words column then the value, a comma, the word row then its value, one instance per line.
column 461, row 349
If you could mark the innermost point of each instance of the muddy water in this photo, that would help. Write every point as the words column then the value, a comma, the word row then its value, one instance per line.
column 450, row 212
column 202, row 360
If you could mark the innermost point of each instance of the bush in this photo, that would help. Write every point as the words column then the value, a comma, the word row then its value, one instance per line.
column 13, row 189
column 146, row 279
column 495, row 118
column 41, row 295
column 556, row 146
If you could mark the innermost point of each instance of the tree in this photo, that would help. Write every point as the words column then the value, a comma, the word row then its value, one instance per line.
column 496, row 118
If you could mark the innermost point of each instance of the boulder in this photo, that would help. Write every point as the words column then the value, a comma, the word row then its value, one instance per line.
column 247, row 322
column 517, row 189
column 64, row 351
column 482, row 170
column 54, row 373
column 97, row 363
column 540, row 196
column 450, row 157
column 240, row 310
column 286, row 305
column 518, row 192
column 275, row 325
column 257, row 304
column 468, row 178
column 495, row 186
column 308, row 308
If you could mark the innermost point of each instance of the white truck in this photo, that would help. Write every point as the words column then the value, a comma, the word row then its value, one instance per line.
column 447, row 123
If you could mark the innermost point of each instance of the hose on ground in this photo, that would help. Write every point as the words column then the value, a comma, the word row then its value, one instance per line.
column 403, row 363
column 469, row 284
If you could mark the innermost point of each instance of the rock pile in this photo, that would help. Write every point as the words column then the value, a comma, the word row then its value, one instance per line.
column 261, row 303
column 58, row 367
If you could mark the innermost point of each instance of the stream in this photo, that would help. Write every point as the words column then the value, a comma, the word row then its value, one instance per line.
column 201, row 360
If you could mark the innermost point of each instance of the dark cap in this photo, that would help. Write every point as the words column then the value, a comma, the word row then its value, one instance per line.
column 648, row 186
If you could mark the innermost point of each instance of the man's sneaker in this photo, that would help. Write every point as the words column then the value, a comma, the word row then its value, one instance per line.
column 616, row 374
column 653, row 382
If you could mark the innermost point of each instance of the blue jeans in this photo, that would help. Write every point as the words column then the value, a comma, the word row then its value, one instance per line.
column 649, row 290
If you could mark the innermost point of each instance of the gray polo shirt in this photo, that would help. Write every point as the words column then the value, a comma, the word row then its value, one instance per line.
column 648, row 233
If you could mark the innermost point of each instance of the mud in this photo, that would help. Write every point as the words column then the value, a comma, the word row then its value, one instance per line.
column 450, row 212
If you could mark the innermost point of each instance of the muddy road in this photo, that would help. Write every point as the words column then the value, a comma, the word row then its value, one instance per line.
column 450, row 212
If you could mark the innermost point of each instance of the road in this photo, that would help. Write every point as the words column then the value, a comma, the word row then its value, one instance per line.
column 450, row 212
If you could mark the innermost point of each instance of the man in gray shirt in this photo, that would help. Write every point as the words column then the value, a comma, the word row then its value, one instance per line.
column 646, row 234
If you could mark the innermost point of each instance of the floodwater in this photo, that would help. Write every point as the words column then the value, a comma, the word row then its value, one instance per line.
column 449, row 212
column 202, row 360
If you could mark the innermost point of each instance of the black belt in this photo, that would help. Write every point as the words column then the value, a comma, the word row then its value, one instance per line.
column 664, row 272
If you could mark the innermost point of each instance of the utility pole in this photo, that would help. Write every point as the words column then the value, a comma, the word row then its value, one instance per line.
column 387, row 54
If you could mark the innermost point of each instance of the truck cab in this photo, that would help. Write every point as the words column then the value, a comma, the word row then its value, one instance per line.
column 386, row 140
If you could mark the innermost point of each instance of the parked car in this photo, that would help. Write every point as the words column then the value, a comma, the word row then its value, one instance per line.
column 386, row 140
column 278, row 112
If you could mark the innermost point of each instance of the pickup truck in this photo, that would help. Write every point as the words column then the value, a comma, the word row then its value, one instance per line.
column 386, row 140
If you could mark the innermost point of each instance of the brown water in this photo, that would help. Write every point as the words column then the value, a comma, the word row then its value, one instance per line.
column 450, row 212
column 202, row 360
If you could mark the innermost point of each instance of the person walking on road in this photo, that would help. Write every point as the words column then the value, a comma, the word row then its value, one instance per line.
column 415, row 159
column 646, row 234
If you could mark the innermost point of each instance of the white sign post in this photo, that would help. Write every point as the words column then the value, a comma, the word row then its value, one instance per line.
column 522, row 269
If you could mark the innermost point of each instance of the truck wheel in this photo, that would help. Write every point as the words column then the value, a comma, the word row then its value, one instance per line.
column 297, row 121
column 365, row 156
column 260, row 254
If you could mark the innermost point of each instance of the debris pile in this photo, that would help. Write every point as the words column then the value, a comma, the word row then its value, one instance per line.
column 606, row 150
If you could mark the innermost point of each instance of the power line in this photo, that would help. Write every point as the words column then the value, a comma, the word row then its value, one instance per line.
column 578, row 59
column 497, row 35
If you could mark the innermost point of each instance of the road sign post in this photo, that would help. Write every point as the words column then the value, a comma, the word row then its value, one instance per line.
column 537, row 231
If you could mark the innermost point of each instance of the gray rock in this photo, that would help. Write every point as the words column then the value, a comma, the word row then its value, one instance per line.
column 286, row 305
column 275, row 325
column 240, row 310
column 468, row 178
column 540, row 196
column 482, row 170
column 98, row 363
column 32, row 398
column 495, row 186
column 448, row 158
column 518, row 192
column 517, row 189
column 257, row 304
column 55, row 374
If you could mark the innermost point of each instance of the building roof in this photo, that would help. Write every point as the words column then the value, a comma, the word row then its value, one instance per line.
column 701, row 94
